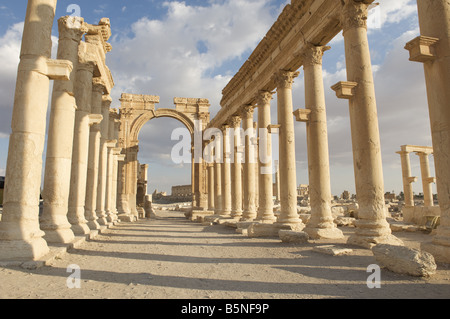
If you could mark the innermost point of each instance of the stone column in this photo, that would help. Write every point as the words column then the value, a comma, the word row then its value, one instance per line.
column 427, row 180
column 211, row 187
column 78, row 179
column 58, row 163
column 93, row 157
column 218, row 201
column 118, row 157
column 277, row 183
column 407, row 179
column 371, row 227
column 434, row 46
column 226, row 174
column 255, row 142
column 132, row 178
column 265, row 176
column 288, row 172
column 111, row 215
column 321, row 223
column 249, row 199
column 20, row 235
column 103, row 162
column 236, row 169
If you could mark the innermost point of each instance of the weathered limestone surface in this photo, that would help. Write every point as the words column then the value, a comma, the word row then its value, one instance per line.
column 405, row 260
column 293, row 236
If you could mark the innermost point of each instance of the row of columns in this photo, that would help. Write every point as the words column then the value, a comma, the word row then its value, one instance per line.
column 408, row 179
column 81, row 158
column 372, row 227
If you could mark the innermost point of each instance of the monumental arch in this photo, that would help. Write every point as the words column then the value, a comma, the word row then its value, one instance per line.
column 101, row 155
column 135, row 111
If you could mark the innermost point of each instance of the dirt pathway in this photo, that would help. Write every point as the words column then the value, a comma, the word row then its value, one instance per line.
column 173, row 258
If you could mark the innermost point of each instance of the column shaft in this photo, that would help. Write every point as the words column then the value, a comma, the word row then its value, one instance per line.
column 288, row 172
column 264, row 173
column 236, row 169
column 54, row 221
column 407, row 179
column 372, row 227
column 226, row 174
column 20, row 235
column 249, row 199
column 321, row 224
column 426, row 179
column 218, row 201
column 211, row 187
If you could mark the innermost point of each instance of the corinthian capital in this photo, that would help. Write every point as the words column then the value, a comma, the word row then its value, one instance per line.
column 355, row 14
column 247, row 111
column 284, row 79
column 264, row 98
column 71, row 27
column 313, row 55
column 235, row 121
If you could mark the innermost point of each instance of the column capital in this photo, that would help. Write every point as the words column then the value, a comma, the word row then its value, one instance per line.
column 106, row 101
column 247, row 111
column 355, row 14
column 313, row 55
column 98, row 85
column 284, row 79
column 71, row 27
column 264, row 97
column 235, row 121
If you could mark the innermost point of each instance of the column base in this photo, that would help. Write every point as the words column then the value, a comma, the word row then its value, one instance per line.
column 439, row 247
column 93, row 225
column 370, row 233
column 324, row 233
column 23, row 250
column 80, row 229
column 58, row 236
column 256, row 229
column 102, row 218
column 128, row 218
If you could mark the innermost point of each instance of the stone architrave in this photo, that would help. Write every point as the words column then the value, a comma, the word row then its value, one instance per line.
column 226, row 173
column 236, row 169
column 54, row 221
column 288, row 176
column 103, row 162
column 321, row 223
column 372, row 227
column 249, row 198
column 93, row 158
column 20, row 234
column 434, row 17
column 265, row 176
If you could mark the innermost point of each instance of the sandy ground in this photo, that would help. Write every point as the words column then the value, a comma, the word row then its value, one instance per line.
column 172, row 258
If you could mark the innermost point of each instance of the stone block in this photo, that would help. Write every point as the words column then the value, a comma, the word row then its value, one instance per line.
column 292, row 236
column 332, row 250
column 404, row 260
column 345, row 221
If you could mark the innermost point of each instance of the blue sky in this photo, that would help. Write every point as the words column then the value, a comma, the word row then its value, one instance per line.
column 193, row 48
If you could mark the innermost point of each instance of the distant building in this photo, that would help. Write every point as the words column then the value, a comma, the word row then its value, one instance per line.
column 303, row 190
column 183, row 192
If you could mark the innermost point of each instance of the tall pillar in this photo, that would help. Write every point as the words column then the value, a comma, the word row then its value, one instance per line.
column 103, row 162
column 93, row 157
column 20, row 235
column 264, row 173
column 277, row 183
column 321, row 223
column 371, row 227
column 236, row 169
column 54, row 221
column 427, row 180
column 249, row 199
column 432, row 48
column 288, row 173
column 111, row 215
column 407, row 178
column 226, row 173
column 211, row 187
column 218, row 200
column 132, row 179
